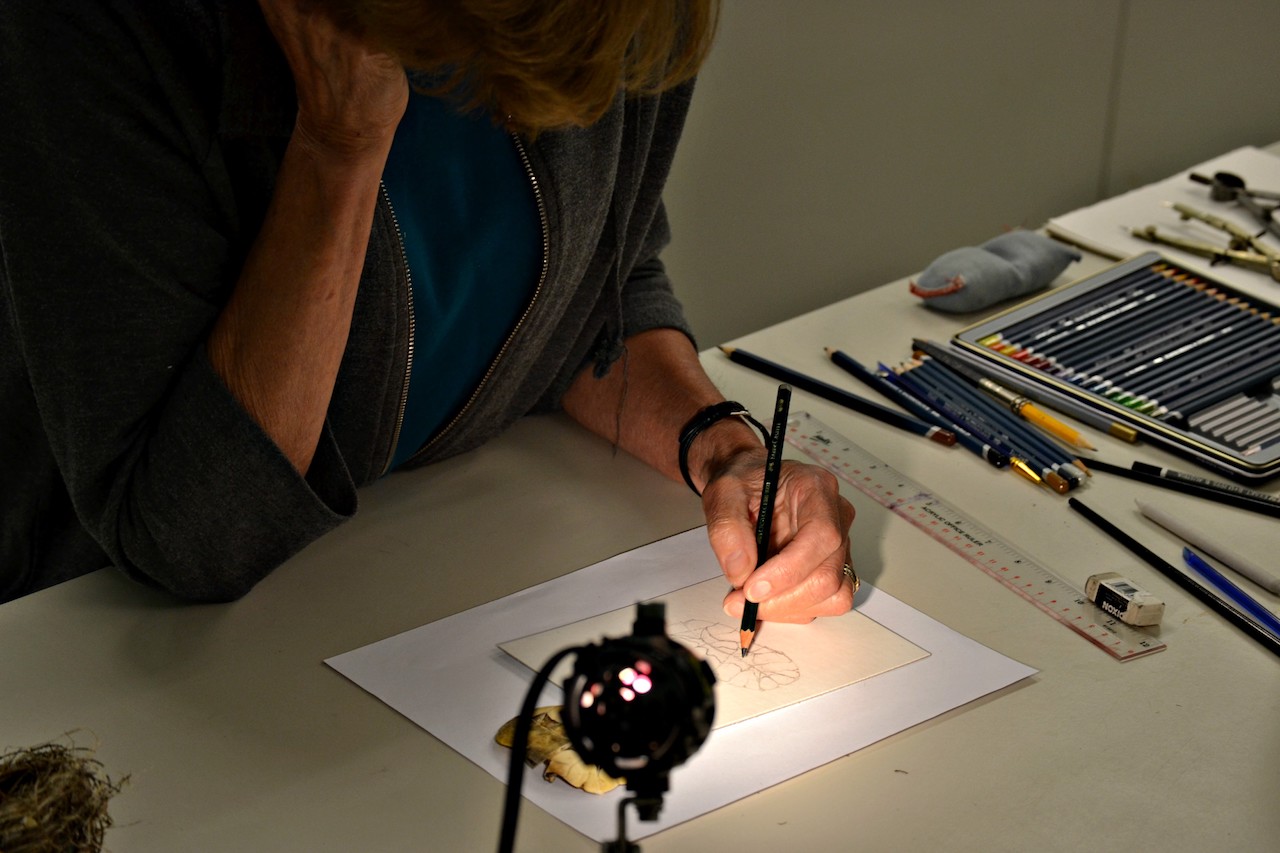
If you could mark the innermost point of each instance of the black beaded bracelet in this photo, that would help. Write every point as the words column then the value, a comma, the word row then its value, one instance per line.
column 705, row 418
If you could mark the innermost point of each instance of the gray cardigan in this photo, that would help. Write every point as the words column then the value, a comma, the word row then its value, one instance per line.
column 139, row 154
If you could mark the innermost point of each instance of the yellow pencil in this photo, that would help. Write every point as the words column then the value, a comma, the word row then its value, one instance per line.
column 1033, row 413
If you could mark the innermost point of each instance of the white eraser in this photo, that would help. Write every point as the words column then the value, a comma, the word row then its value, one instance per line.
column 1122, row 598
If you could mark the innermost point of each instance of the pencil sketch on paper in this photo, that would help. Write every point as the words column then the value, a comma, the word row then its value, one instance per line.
column 787, row 663
column 762, row 669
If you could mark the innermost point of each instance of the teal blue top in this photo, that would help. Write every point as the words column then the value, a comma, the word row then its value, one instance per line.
column 469, row 223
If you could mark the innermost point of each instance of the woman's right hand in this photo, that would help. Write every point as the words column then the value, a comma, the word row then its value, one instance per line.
column 351, row 95
column 279, row 341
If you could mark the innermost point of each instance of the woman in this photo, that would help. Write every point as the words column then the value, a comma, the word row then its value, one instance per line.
column 251, row 264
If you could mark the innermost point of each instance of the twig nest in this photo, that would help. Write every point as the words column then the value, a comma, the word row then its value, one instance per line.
column 53, row 798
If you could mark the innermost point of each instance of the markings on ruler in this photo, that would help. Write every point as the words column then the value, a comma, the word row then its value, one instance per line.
column 943, row 522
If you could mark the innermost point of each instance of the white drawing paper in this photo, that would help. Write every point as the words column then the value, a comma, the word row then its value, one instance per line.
column 450, row 678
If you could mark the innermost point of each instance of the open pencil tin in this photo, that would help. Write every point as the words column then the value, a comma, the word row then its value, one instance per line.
column 1183, row 359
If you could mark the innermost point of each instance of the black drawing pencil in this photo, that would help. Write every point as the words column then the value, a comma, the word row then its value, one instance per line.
column 768, row 494
column 1182, row 579
column 1206, row 483
column 849, row 400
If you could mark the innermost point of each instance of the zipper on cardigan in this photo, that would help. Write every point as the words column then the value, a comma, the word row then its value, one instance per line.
column 408, row 363
column 537, row 291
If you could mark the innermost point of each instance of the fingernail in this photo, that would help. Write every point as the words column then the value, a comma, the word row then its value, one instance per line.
column 759, row 591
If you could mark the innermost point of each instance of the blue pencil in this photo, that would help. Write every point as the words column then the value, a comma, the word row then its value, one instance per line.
column 885, row 385
column 1071, row 311
column 977, row 428
column 1241, row 598
column 1020, row 435
column 1171, row 319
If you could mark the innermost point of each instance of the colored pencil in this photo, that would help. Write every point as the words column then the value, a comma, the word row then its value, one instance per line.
column 1020, row 440
column 923, row 392
column 1054, row 399
column 1143, row 331
column 1070, row 310
column 1168, row 335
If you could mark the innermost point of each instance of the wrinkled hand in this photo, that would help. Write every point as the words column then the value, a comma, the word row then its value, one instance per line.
column 804, row 579
column 351, row 96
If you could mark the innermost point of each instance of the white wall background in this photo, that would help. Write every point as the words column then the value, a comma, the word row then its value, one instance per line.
column 838, row 145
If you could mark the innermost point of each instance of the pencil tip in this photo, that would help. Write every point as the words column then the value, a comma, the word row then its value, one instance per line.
column 744, row 653
column 727, row 350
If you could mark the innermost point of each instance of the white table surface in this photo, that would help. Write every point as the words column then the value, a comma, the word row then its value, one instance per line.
column 237, row 737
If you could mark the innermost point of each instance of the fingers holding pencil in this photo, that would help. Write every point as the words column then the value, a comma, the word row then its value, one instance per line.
column 804, row 578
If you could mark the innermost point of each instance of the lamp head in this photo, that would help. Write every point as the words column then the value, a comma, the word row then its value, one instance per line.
column 638, row 706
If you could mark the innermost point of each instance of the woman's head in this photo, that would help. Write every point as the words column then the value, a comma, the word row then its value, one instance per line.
column 539, row 64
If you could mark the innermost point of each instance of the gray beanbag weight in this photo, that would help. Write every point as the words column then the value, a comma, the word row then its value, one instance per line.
column 972, row 278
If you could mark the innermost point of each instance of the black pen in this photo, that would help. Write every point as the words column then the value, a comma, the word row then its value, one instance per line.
column 768, row 493
column 1205, row 482
column 1266, row 507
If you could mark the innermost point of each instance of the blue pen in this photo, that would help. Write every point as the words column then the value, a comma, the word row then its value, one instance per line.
column 1241, row 598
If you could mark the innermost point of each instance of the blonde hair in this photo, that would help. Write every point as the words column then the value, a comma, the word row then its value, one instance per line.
column 540, row 64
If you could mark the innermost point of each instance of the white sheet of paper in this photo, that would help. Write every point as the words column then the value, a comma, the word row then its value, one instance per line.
column 785, row 665
column 1107, row 223
column 450, row 678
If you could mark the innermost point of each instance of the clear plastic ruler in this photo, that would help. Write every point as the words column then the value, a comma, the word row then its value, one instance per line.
column 948, row 525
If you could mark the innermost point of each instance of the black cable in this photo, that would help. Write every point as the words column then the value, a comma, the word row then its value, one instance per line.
column 515, row 769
